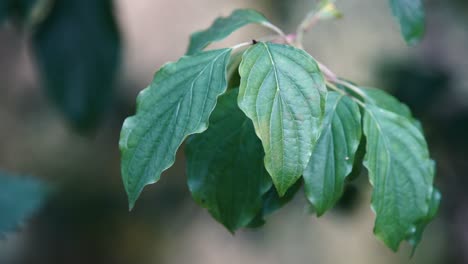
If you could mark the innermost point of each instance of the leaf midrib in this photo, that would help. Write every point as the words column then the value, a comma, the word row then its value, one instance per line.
column 390, row 160
column 146, row 168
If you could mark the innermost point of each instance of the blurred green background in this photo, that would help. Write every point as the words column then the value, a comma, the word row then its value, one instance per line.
column 86, row 219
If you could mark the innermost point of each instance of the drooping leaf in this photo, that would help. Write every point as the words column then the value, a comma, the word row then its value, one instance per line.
column 385, row 101
column 333, row 155
column 272, row 202
column 225, row 167
column 19, row 198
column 415, row 238
column 410, row 15
column 400, row 171
column 283, row 92
column 177, row 103
column 77, row 49
column 4, row 7
column 223, row 27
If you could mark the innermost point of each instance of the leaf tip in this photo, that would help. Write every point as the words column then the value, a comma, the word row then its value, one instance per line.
column 231, row 228
column 319, row 212
column 232, row 231
column 132, row 198
column 281, row 191
column 390, row 243
column 131, row 204
column 413, row 40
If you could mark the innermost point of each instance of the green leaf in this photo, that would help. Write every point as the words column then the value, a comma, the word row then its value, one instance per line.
column 77, row 49
column 19, row 198
column 333, row 155
column 386, row 101
column 223, row 27
column 178, row 103
column 415, row 238
column 410, row 15
column 283, row 92
column 225, row 167
column 272, row 202
column 400, row 171
column 4, row 8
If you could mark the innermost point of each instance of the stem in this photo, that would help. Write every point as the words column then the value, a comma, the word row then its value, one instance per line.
column 333, row 78
column 241, row 45
column 324, row 10
column 277, row 30
column 289, row 39
column 329, row 75
column 352, row 87
column 270, row 38
column 333, row 87
column 309, row 21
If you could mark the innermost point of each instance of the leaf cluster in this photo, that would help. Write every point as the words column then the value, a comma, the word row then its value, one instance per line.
column 263, row 118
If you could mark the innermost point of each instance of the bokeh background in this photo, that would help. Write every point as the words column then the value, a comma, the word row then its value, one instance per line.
column 86, row 219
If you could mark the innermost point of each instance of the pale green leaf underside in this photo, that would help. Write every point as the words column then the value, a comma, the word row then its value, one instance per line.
column 410, row 15
column 19, row 198
column 223, row 27
column 333, row 155
column 400, row 171
column 225, row 167
column 283, row 92
column 177, row 103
